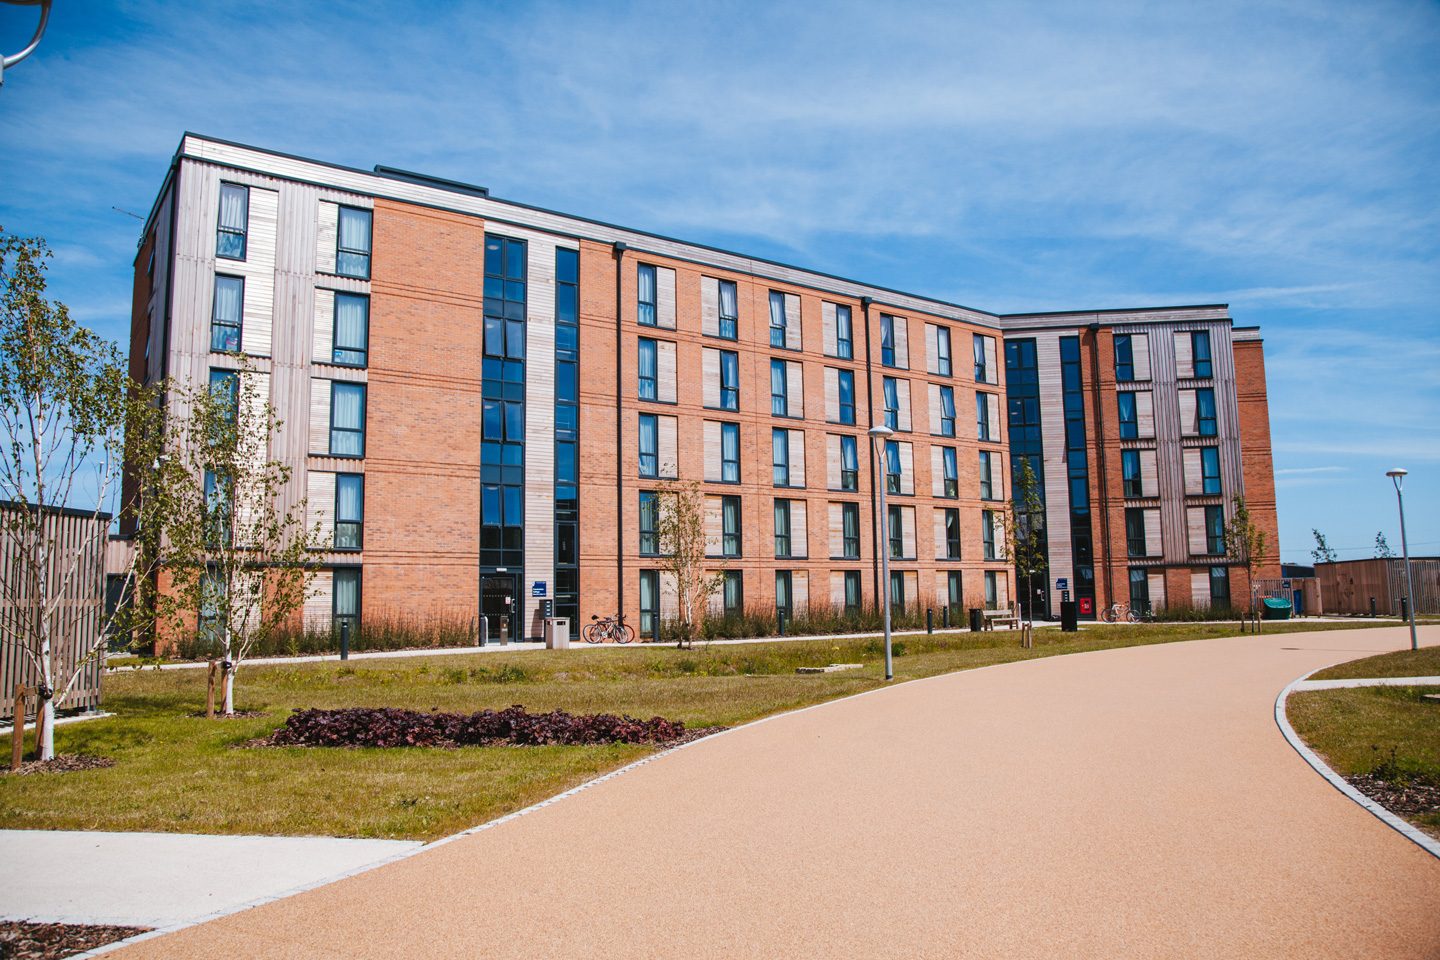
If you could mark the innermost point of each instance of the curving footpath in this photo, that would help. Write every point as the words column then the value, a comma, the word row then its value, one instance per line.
column 1125, row 803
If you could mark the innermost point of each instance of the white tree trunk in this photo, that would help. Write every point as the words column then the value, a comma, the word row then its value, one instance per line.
column 229, row 705
column 47, row 741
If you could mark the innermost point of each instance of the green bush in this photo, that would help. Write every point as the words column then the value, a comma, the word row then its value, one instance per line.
column 383, row 631
column 1186, row 613
column 819, row 619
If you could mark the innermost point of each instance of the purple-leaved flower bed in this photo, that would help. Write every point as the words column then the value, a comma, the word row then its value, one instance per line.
column 389, row 727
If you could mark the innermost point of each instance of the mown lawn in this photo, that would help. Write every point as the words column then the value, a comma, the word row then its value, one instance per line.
column 176, row 771
column 1424, row 662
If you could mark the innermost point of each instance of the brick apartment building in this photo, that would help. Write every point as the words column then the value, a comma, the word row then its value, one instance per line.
column 480, row 399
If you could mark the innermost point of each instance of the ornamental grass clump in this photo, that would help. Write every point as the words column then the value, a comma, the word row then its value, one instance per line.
column 390, row 727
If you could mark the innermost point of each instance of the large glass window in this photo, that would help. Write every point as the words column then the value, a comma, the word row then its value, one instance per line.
column 897, row 589
column 347, row 419
column 784, row 596
column 850, row 530
column 234, row 221
column 1210, row 469
column 942, row 351
column 951, row 466
column 729, row 380
column 852, row 592
column 891, row 390
column 1200, row 352
column 1215, row 530
column 650, row 604
column 567, row 433
column 846, row 380
column 892, row 466
column 730, row 539
column 947, row 411
column 779, row 389
column 649, row 369
column 777, row 319
column 1220, row 586
column 733, row 593
column 1139, row 590
column 1135, row 532
column 782, row 528
column 502, row 451
column 1130, row 469
column 844, row 335
column 1124, row 358
column 346, row 609
column 349, row 511
column 225, row 388
column 729, row 313
column 849, row 464
column 887, row 340
column 982, row 360
column 1205, row 411
column 352, row 250
column 1129, row 421
column 649, row 523
column 226, row 317
column 351, row 346
column 645, row 295
column 952, row 533
column 895, row 531
column 956, row 591
column 780, row 456
column 730, row 452
column 649, row 445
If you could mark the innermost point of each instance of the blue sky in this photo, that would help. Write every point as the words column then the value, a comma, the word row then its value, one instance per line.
column 1280, row 157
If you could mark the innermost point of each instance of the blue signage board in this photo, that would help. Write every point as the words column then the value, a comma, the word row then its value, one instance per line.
column 537, row 589
column 1062, row 583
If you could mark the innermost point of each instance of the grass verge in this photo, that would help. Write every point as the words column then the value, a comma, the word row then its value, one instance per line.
column 1424, row 662
column 177, row 771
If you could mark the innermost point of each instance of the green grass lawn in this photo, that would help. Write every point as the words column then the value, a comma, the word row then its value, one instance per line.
column 1424, row 662
column 177, row 771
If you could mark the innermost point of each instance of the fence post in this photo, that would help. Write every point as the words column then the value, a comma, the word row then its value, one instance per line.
column 344, row 639
column 210, row 693
column 17, row 730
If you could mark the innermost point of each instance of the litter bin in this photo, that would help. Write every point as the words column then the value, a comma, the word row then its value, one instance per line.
column 977, row 619
column 1275, row 608
column 557, row 633
column 1069, row 618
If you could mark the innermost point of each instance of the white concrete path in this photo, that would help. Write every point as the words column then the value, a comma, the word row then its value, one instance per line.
column 1368, row 682
column 161, row 879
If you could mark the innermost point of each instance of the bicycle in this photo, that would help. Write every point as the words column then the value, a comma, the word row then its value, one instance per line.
column 600, row 629
column 1117, row 612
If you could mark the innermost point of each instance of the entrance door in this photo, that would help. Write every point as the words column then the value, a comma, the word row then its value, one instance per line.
column 499, row 603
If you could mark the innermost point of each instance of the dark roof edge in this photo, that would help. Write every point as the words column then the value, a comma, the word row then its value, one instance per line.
column 1071, row 313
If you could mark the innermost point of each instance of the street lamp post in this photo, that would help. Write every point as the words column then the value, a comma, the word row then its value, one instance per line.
column 882, row 432
column 1398, row 476
column 7, row 62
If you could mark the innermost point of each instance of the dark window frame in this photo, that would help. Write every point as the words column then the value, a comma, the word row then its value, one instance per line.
column 342, row 252
column 217, row 324
column 336, row 388
column 356, row 523
column 336, row 347
column 222, row 231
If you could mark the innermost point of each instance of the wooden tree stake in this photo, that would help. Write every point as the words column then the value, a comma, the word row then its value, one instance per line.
column 210, row 694
column 17, row 731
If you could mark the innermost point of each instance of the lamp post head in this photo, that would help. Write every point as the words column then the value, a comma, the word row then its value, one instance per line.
column 1397, row 475
column 881, row 431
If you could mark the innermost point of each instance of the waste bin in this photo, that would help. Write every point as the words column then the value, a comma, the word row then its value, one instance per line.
column 1069, row 618
column 557, row 633
column 977, row 619
column 1275, row 608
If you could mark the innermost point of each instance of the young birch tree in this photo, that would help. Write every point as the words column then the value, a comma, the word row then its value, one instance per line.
column 1322, row 553
column 70, row 421
column 680, row 530
column 1024, row 522
column 239, row 562
column 1245, row 543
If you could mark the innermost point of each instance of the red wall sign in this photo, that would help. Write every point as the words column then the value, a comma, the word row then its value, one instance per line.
column 1087, row 606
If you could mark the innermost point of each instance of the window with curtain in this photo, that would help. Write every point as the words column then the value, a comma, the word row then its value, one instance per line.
column 950, row 465
column 779, row 389
column 1135, row 532
column 891, row 390
column 846, row 379
column 1200, row 353
column 649, row 370
column 942, row 351
column 992, row 589
column 225, row 388
column 892, row 466
column 982, row 369
column 649, row 523
column 226, row 316
column 850, row 530
column 650, row 604
column 645, row 295
column 852, row 592
column 982, row 416
column 1220, row 586
column 897, row 590
column 956, row 591
column 1129, row 422
column 730, row 452
column 1210, row 469
column 987, row 534
column 234, row 221
column 649, row 445
column 347, row 419
column 784, row 605
column 1124, row 358
column 987, row 476
column 352, row 330
column 729, row 380
column 780, row 456
column 1215, row 530
column 1130, row 472
column 733, row 593
column 887, row 340
column 346, row 587
column 349, row 511
column 849, row 464
column 777, row 319
column 895, row 531
column 1205, row 411
column 1139, row 590
column 729, row 311
column 352, row 251
column 952, row 534
column 844, row 336
column 947, row 411
column 782, row 528
column 730, row 526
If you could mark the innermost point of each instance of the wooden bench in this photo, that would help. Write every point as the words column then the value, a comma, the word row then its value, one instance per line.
column 1008, row 617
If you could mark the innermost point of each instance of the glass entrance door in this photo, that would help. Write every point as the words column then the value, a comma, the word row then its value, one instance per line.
column 499, row 604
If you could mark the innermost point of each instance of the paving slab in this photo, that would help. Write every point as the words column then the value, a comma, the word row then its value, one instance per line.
column 160, row 879
column 1125, row 803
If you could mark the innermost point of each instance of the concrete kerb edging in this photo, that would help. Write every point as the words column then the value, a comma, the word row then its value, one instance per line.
column 1409, row 831
column 578, row 788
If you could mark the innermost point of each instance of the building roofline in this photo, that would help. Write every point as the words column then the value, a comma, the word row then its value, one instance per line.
column 59, row 511
column 1070, row 313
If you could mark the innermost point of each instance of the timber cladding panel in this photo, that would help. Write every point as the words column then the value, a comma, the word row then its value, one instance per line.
column 422, row 467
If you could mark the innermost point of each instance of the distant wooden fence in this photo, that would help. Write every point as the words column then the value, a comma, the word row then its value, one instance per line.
column 74, row 534
column 1348, row 586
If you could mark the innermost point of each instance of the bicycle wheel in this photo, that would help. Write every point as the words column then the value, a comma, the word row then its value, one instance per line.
column 588, row 633
column 624, row 633
column 1132, row 616
column 1108, row 614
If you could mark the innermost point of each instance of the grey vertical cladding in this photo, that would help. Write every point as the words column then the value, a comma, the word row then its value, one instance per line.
column 793, row 339
column 1052, row 439
column 1154, row 533
column 540, row 426
column 664, row 297
column 665, row 370
column 1195, row 531
column 710, row 306
column 709, row 377
column 1140, row 352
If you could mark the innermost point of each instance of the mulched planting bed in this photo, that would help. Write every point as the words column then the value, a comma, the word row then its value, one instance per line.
column 63, row 763
column 28, row 940
column 1409, row 799
column 389, row 727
